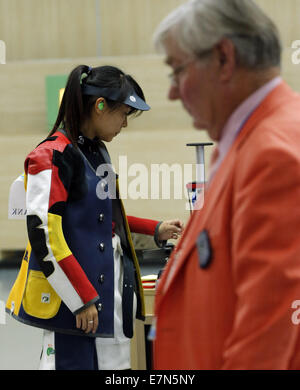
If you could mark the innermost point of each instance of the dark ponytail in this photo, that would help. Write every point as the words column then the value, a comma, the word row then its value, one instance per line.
column 71, row 111
column 76, row 107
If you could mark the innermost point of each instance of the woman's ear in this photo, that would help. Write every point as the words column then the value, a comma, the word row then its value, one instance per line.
column 100, row 104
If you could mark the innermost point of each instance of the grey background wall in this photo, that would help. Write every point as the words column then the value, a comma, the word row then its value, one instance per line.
column 45, row 37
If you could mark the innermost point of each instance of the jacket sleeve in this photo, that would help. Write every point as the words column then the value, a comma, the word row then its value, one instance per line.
column 142, row 225
column 53, row 177
column 265, row 259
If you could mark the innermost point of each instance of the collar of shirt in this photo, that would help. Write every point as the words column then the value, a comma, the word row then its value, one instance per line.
column 238, row 118
column 91, row 150
column 87, row 142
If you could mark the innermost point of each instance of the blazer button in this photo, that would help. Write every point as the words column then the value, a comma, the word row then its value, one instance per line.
column 101, row 278
column 101, row 217
column 101, row 246
column 99, row 306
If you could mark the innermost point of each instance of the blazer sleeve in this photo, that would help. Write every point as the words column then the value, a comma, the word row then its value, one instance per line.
column 50, row 183
column 265, row 258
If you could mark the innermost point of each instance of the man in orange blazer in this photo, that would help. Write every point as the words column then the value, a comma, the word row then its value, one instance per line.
column 227, row 297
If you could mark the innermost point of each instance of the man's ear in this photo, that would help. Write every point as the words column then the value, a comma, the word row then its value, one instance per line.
column 226, row 57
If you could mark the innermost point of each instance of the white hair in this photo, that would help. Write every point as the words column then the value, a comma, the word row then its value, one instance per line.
column 199, row 25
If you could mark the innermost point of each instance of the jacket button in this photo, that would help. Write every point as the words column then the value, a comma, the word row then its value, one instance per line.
column 101, row 278
column 101, row 217
column 101, row 246
column 99, row 306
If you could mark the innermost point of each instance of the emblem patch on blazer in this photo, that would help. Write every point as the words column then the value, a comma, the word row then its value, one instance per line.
column 204, row 249
column 45, row 298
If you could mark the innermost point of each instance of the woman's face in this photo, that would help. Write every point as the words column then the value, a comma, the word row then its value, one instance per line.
column 106, row 123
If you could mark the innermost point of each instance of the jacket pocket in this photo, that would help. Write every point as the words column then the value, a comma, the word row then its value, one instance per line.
column 40, row 300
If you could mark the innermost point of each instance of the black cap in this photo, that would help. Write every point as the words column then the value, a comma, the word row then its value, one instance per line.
column 132, row 99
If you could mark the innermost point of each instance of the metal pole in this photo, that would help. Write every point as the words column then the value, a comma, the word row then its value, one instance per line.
column 197, row 190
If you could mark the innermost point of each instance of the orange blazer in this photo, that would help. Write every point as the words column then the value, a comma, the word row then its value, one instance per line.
column 225, row 297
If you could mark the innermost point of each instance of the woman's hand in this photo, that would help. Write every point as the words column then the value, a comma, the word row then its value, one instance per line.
column 170, row 229
column 87, row 319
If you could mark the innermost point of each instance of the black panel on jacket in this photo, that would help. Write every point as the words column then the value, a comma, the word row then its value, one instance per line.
column 71, row 171
column 58, row 208
column 38, row 243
